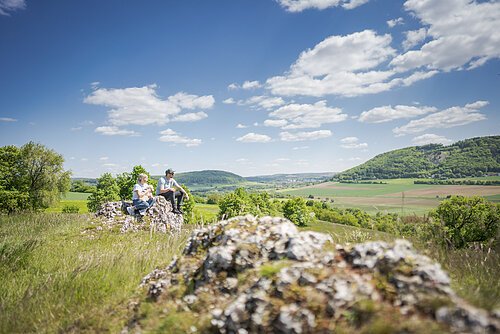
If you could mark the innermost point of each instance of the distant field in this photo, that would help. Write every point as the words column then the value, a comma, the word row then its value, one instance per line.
column 398, row 195
column 71, row 199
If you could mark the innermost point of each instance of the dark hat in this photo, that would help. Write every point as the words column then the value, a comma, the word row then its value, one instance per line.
column 169, row 171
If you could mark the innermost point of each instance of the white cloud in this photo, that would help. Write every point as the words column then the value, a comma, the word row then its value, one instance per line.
column 254, row 138
column 340, row 65
column 463, row 34
column 275, row 122
column 170, row 136
column 414, row 37
column 229, row 101
column 251, row 85
column 300, row 148
column 300, row 5
column 241, row 126
column 246, row 85
column 109, row 165
column 300, row 136
column 142, row 106
column 430, row 138
column 7, row 119
column 448, row 118
column 7, row 6
column 395, row 22
column 94, row 85
column 190, row 117
column 262, row 102
column 389, row 113
column 352, row 142
column 300, row 116
column 104, row 158
column 114, row 131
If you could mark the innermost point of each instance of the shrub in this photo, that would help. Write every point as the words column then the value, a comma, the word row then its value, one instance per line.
column 70, row 209
column 466, row 220
column 295, row 210
column 106, row 191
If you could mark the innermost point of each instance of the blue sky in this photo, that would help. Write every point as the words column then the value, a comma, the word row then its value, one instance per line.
column 251, row 87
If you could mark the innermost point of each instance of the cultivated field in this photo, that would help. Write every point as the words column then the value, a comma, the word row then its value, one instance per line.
column 399, row 195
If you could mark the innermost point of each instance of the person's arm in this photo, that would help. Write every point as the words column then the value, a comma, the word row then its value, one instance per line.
column 181, row 189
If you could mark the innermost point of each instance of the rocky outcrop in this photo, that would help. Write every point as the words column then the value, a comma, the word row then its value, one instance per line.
column 248, row 275
column 158, row 218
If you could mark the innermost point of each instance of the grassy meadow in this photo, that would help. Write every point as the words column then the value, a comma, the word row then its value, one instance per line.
column 397, row 195
column 53, row 278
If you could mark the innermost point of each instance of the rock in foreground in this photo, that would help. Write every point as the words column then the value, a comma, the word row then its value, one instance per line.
column 249, row 275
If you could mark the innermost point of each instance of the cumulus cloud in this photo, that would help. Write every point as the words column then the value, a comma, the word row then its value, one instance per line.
column 7, row 119
column 352, row 142
column 340, row 65
column 190, row 117
column 301, row 136
column 114, row 131
column 262, row 102
column 229, row 101
column 170, row 136
column 430, row 138
column 142, row 105
column 395, row 22
column 8, row 6
column 300, row 148
column 246, row 85
column 414, row 37
column 104, row 158
column 278, row 123
column 448, row 118
column 301, row 116
column 463, row 34
column 300, row 5
column 254, row 138
column 389, row 113
column 241, row 126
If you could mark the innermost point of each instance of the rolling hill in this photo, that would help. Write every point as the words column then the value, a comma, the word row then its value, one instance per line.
column 207, row 178
column 467, row 158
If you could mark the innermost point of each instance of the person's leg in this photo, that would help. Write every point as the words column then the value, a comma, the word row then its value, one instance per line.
column 151, row 201
column 169, row 196
column 179, row 196
column 141, row 206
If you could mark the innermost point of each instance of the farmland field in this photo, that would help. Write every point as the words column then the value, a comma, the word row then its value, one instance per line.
column 398, row 195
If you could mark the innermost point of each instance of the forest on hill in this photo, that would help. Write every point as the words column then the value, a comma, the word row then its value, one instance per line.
column 467, row 158
column 207, row 177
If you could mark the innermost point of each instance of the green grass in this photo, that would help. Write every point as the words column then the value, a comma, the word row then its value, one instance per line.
column 72, row 196
column 206, row 213
column 54, row 279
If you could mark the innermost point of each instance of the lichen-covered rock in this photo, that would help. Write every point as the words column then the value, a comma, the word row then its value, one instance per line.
column 158, row 218
column 249, row 275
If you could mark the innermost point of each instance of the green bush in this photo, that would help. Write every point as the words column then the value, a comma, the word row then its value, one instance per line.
column 106, row 191
column 466, row 220
column 240, row 202
column 295, row 210
column 70, row 209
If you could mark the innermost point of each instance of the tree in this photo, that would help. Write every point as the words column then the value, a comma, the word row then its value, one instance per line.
column 295, row 210
column 31, row 177
column 188, row 206
column 126, row 181
column 106, row 191
column 466, row 220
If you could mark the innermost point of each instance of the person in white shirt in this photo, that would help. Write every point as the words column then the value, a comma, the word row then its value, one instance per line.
column 171, row 190
column 142, row 196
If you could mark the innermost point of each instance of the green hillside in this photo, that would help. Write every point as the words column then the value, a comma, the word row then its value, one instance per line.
column 466, row 158
column 207, row 177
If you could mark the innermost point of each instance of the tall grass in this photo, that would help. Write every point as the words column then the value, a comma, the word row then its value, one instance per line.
column 54, row 279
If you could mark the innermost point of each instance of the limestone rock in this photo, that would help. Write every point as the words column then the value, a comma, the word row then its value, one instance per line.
column 249, row 275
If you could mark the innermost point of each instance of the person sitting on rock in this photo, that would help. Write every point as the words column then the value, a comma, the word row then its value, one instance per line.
column 142, row 196
column 171, row 190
